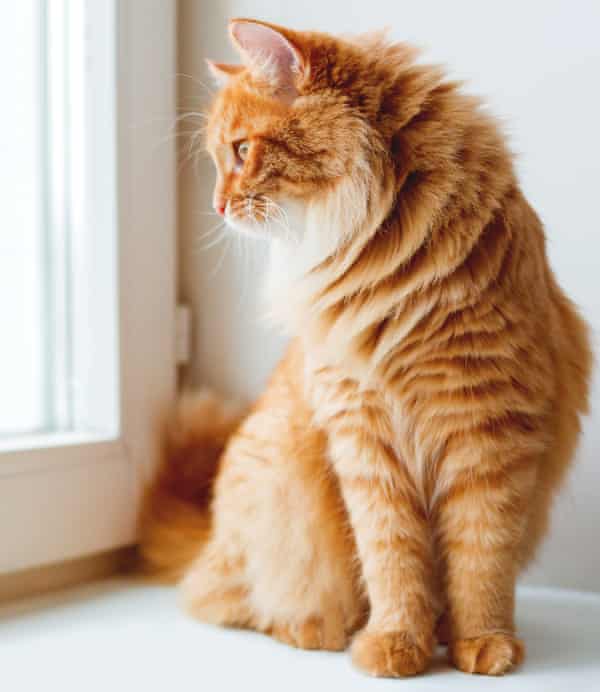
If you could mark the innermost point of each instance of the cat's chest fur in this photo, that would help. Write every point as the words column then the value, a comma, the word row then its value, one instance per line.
column 334, row 395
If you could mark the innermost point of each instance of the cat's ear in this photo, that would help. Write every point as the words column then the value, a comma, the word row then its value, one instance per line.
column 221, row 72
column 270, row 54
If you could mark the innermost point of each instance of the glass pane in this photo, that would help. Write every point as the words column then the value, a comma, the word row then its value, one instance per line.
column 23, row 398
column 58, row 280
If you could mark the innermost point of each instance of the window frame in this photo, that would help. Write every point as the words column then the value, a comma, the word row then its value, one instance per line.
column 74, row 494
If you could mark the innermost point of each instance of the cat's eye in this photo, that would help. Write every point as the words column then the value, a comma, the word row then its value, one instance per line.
column 242, row 149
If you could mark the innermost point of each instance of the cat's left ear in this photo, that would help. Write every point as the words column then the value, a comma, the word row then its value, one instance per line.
column 222, row 72
column 269, row 52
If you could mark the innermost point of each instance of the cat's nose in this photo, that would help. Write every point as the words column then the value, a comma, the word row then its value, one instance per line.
column 219, row 204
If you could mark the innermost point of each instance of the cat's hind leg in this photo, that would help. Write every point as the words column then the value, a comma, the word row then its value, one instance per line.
column 213, row 589
column 281, row 559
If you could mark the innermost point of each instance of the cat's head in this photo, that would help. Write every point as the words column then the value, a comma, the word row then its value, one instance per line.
column 293, row 136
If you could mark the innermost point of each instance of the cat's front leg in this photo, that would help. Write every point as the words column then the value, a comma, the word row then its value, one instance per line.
column 392, row 538
column 481, row 518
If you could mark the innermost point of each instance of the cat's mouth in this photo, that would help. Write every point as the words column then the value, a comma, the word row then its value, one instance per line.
column 248, row 215
column 260, row 216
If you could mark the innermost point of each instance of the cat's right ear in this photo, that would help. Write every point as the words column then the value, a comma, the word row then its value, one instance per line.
column 222, row 72
column 270, row 53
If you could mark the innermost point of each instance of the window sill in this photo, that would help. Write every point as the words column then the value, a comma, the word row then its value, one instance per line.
column 36, row 581
column 28, row 443
column 121, row 635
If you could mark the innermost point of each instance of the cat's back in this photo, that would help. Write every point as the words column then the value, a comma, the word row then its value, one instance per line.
column 561, row 328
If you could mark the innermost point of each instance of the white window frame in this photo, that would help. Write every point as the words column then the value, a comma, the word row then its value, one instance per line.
column 73, row 495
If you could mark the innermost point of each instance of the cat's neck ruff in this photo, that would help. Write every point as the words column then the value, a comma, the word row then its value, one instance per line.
column 330, row 234
column 354, row 304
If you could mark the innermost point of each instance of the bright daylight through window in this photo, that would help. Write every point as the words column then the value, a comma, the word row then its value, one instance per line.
column 58, row 279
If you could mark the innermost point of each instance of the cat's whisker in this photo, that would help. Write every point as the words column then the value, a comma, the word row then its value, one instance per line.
column 211, row 231
column 276, row 206
column 207, row 246
column 197, row 81
column 191, row 114
column 227, row 246
column 176, row 137
column 194, row 151
column 194, row 140
column 281, row 219
column 214, row 228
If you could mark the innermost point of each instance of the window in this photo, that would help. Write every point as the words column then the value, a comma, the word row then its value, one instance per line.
column 86, row 269
column 58, row 258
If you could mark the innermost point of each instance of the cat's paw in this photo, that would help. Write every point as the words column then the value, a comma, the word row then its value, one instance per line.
column 389, row 654
column 490, row 654
column 312, row 633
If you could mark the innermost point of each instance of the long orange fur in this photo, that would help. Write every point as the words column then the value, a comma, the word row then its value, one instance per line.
column 400, row 467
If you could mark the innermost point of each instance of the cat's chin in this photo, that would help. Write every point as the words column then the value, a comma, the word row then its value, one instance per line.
column 284, row 222
column 248, row 227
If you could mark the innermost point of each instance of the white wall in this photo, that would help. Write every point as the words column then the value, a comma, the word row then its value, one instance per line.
column 538, row 62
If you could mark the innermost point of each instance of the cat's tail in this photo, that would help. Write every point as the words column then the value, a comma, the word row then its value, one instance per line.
column 175, row 516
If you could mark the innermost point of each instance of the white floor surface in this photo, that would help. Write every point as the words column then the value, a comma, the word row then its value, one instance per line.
column 116, row 636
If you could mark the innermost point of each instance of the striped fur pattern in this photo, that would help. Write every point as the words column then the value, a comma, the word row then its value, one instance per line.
column 401, row 465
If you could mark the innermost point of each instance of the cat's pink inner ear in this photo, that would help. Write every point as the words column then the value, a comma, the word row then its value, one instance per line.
column 266, row 51
column 222, row 72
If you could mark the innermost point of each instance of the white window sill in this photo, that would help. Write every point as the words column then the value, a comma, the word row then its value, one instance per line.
column 27, row 443
column 115, row 635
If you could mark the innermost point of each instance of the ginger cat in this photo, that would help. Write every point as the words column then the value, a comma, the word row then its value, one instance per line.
column 399, row 470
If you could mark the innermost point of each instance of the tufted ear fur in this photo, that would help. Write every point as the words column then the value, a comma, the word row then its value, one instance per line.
column 269, row 54
column 221, row 72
